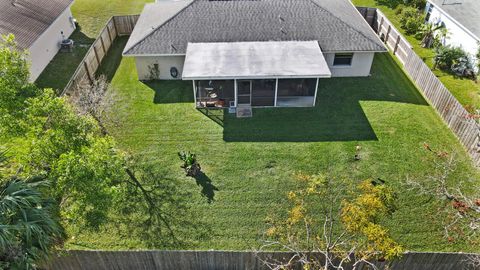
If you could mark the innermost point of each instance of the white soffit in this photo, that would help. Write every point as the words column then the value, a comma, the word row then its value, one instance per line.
column 271, row 59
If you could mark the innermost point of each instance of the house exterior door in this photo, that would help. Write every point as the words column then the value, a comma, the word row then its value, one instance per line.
column 244, row 92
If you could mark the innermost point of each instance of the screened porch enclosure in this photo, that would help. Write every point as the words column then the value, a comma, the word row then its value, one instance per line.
column 214, row 93
column 256, row 93
column 256, row 74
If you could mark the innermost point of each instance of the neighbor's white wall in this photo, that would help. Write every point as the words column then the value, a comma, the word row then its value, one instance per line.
column 164, row 65
column 47, row 45
column 457, row 35
column 361, row 65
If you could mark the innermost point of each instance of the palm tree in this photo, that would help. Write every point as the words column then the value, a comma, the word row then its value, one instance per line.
column 427, row 33
column 28, row 227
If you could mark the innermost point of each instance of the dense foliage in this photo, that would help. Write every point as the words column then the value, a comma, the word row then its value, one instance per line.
column 86, row 174
column 445, row 56
column 337, row 221
column 411, row 20
column 29, row 225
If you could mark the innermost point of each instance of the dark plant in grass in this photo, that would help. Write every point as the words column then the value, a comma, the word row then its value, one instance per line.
column 190, row 165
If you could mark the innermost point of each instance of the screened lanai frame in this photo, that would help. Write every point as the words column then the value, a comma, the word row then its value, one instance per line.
column 263, row 74
column 264, row 92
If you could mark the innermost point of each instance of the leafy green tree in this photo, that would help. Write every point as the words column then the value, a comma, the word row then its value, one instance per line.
column 341, row 230
column 14, row 85
column 68, row 149
column 419, row 4
column 29, row 229
column 411, row 20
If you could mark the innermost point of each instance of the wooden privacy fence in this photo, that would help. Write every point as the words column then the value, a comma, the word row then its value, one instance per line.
column 116, row 26
column 452, row 112
column 211, row 260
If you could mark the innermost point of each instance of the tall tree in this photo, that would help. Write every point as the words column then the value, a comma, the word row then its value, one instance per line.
column 326, row 230
column 14, row 85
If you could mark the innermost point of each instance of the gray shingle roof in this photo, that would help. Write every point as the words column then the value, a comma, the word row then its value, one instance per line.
column 464, row 12
column 28, row 19
column 336, row 24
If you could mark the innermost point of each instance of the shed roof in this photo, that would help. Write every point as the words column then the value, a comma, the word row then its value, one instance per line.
column 273, row 59
column 28, row 19
column 463, row 11
column 336, row 24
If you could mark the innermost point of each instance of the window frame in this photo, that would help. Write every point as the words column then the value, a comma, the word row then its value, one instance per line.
column 343, row 56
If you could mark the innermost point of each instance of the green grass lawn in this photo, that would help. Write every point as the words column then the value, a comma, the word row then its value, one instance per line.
column 252, row 161
column 465, row 90
column 91, row 15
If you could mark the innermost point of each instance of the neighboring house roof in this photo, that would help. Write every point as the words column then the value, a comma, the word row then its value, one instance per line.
column 335, row 24
column 463, row 11
column 28, row 19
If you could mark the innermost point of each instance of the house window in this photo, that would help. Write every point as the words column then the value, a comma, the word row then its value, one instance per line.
column 343, row 59
column 429, row 10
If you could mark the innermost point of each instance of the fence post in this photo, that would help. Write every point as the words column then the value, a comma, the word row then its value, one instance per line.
column 115, row 25
column 109, row 33
column 103, row 44
column 396, row 45
column 88, row 71
column 388, row 34
column 96, row 54
column 380, row 25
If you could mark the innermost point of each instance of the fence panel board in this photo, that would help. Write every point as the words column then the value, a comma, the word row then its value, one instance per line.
column 200, row 260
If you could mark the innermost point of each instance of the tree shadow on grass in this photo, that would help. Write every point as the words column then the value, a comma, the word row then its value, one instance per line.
column 208, row 189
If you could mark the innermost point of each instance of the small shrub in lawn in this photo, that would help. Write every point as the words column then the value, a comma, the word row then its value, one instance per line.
column 190, row 165
column 411, row 20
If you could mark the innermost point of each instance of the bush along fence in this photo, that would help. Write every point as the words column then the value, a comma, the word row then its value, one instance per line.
column 116, row 26
column 460, row 121
column 210, row 260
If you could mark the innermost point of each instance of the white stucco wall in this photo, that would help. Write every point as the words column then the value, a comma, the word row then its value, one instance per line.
column 361, row 65
column 47, row 45
column 457, row 34
column 165, row 63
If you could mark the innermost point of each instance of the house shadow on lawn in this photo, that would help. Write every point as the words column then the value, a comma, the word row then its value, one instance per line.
column 112, row 60
column 167, row 92
column 337, row 116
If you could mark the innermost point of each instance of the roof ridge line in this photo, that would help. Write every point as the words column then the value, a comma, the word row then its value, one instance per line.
column 156, row 28
column 356, row 30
